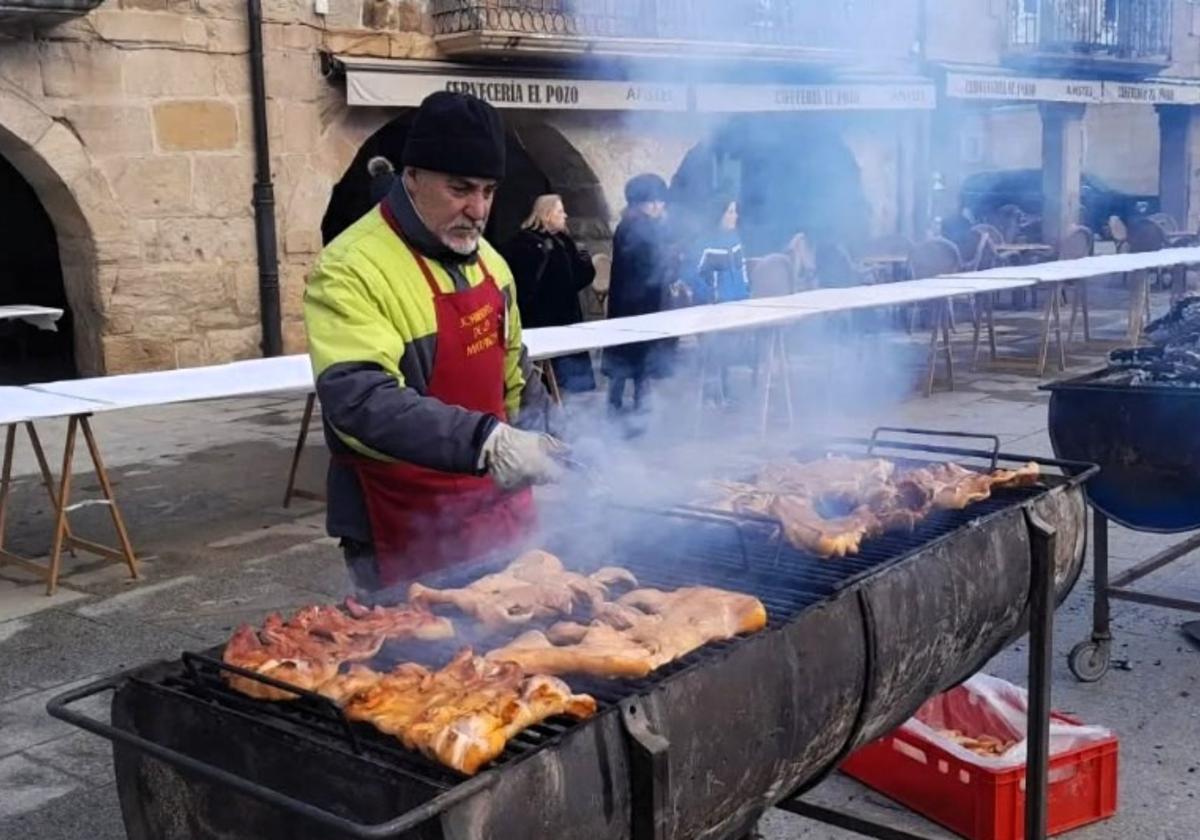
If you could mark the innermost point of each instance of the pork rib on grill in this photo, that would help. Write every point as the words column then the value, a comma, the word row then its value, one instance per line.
column 641, row 631
column 461, row 715
column 829, row 507
column 535, row 586
column 308, row 649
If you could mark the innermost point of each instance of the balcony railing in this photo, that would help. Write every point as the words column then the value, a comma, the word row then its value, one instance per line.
column 814, row 25
column 21, row 14
column 1136, row 31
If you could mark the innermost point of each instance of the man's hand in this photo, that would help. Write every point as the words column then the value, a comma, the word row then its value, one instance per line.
column 515, row 458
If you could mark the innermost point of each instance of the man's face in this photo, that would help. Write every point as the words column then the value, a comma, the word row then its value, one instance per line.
column 454, row 208
column 656, row 209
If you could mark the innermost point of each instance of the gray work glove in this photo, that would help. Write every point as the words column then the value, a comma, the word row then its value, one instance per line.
column 515, row 458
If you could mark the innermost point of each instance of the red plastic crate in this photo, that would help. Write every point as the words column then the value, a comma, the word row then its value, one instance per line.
column 984, row 804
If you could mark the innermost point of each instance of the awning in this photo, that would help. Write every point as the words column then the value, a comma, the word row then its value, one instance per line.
column 980, row 84
column 399, row 83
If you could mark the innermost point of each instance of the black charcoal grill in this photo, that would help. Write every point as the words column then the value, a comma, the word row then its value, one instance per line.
column 699, row 750
column 1144, row 433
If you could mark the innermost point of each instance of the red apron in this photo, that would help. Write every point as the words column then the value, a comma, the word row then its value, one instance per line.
column 423, row 519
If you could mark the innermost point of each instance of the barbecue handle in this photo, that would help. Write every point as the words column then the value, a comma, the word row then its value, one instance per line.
column 58, row 708
column 995, row 439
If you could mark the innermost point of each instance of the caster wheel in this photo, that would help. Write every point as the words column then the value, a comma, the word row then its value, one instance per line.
column 1089, row 661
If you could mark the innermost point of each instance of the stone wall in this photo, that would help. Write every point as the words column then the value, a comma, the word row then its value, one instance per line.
column 134, row 126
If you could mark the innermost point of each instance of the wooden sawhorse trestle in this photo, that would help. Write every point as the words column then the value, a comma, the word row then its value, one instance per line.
column 60, row 500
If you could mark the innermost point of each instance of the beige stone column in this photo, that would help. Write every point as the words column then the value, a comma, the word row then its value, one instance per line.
column 1176, row 135
column 1062, row 165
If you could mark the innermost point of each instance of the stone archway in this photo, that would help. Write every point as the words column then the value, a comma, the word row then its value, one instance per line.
column 52, row 160
column 571, row 176
column 788, row 173
column 540, row 160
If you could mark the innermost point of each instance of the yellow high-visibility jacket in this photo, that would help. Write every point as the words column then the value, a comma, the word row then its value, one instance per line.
column 372, row 339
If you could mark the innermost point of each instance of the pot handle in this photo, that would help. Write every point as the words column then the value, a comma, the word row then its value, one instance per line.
column 994, row 439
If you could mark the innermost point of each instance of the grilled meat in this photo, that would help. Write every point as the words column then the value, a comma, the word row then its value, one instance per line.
column 461, row 715
column 534, row 586
column 830, row 507
column 643, row 630
column 308, row 649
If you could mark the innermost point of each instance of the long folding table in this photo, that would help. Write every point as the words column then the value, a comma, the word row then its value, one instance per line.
column 77, row 400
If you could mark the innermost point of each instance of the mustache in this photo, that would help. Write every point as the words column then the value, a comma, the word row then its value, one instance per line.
column 465, row 226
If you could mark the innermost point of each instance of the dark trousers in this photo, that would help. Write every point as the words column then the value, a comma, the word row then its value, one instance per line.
column 616, row 391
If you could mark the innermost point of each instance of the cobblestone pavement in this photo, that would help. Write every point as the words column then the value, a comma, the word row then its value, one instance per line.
column 201, row 487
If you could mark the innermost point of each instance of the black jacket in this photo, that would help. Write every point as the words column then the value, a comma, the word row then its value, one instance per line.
column 550, row 271
column 642, row 269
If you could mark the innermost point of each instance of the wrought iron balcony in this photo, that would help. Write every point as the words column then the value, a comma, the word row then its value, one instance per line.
column 1124, row 37
column 825, row 30
column 42, row 13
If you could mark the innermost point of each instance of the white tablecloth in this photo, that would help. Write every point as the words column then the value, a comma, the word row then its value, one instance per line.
column 1085, row 267
column 19, row 404
column 42, row 317
column 237, row 379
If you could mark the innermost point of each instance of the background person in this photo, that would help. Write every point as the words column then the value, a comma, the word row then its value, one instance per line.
column 551, row 271
column 641, row 269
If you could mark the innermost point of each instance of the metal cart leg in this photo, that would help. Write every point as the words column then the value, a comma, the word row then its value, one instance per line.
column 1089, row 660
column 1041, row 649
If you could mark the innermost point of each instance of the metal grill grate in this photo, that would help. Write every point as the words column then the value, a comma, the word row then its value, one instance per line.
column 729, row 555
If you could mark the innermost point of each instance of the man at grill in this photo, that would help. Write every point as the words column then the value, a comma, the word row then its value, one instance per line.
column 415, row 341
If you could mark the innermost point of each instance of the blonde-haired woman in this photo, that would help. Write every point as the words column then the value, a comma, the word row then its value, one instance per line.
column 551, row 271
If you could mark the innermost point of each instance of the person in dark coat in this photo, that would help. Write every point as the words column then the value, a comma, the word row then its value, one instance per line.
column 715, row 272
column 383, row 175
column 641, row 270
column 551, row 271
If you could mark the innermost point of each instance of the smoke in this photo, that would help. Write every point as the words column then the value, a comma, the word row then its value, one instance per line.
column 790, row 173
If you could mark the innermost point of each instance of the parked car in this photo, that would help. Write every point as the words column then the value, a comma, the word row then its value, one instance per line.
column 986, row 192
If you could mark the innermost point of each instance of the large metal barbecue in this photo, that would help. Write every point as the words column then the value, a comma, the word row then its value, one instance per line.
column 1145, row 436
column 699, row 750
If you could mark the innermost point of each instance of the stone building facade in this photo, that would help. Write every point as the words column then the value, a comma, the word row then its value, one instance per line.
column 133, row 126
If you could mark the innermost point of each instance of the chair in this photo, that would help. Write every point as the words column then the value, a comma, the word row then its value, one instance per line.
column 1079, row 242
column 991, row 230
column 1145, row 235
column 929, row 259
column 1119, row 233
column 603, row 265
column 1165, row 221
column 835, row 269
column 1008, row 219
column 890, row 246
column 771, row 276
column 803, row 258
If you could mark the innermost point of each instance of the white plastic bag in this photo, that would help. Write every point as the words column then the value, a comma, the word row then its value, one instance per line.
column 985, row 705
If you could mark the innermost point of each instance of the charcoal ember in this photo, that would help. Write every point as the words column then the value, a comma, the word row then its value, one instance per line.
column 1175, row 357
column 1181, row 323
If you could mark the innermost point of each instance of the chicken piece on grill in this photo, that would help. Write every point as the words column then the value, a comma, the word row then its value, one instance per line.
column 597, row 650
column 465, row 713
column 307, row 650
column 401, row 622
column 952, row 487
column 643, row 630
column 806, row 528
column 534, row 586
column 854, row 481
column 830, row 507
